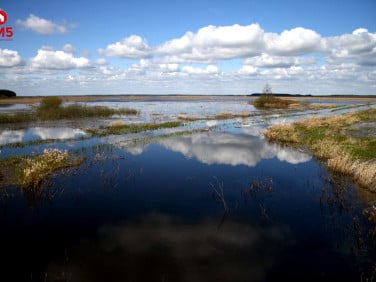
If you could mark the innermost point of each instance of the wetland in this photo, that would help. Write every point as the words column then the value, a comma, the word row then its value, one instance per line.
column 186, row 188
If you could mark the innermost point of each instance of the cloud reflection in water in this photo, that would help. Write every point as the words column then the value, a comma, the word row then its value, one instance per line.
column 231, row 149
column 162, row 248
column 39, row 133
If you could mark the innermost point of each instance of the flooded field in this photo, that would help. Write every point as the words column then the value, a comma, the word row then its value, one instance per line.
column 208, row 200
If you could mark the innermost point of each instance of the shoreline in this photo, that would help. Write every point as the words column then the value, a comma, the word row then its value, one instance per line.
column 177, row 97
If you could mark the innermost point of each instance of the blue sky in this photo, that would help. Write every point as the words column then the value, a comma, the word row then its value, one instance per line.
column 189, row 47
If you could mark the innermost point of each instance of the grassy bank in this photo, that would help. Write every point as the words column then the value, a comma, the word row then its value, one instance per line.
column 330, row 139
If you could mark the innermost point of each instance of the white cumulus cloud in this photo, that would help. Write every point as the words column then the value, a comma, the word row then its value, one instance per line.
column 248, row 70
column 169, row 67
column 270, row 61
column 213, row 43
column 210, row 69
column 69, row 48
column 130, row 47
column 296, row 41
column 9, row 58
column 57, row 60
column 360, row 45
column 43, row 26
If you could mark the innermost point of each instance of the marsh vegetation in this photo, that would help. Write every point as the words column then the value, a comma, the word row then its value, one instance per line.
column 52, row 108
column 327, row 139
column 30, row 171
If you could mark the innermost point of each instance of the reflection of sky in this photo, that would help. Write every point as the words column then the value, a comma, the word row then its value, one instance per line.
column 222, row 148
column 163, row 248
column 38, row 133
column 14, row 107
column 231, row 149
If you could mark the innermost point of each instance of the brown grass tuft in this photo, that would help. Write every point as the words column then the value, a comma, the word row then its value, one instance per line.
column 117, row 123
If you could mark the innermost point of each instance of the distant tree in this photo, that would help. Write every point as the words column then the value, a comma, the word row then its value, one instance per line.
column 267, row 90
column 7, row 93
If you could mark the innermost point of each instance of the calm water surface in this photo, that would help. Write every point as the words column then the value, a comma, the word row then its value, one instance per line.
column 215, row 205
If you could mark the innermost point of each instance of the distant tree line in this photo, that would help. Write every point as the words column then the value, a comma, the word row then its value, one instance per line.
column 7, row 93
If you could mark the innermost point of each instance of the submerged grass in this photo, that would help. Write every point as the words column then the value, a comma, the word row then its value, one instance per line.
column 117, row 128
column 227, row 115
column 327, row 139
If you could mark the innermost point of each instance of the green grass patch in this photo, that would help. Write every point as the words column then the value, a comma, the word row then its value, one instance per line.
column 366, row 149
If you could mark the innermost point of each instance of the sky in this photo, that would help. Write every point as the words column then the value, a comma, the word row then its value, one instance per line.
column 79, row 47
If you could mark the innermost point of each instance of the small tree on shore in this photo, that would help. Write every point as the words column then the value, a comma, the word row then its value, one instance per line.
column 267, row 90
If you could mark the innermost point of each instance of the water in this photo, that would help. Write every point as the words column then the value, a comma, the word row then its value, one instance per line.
column 216, row 205
column 13, row 107
column 39, row 133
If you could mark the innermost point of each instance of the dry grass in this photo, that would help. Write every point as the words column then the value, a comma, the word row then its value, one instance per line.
column 34, row 169
column 228, row 115
column 282, row 133
column 325, row 138
column 117, row 123
column 187, row 117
